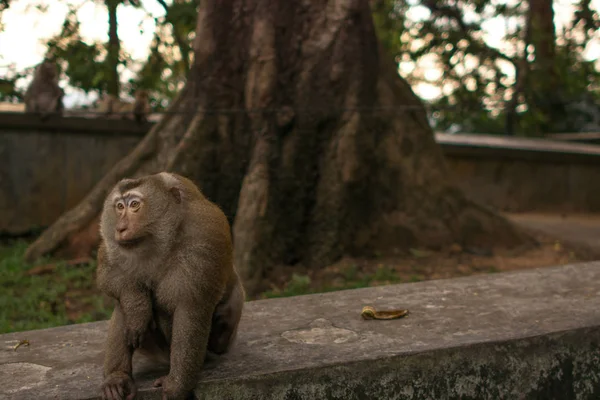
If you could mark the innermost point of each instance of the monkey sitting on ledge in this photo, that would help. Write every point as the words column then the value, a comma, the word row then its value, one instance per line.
column 43, row 95
column 110, row 106
column 167, row 258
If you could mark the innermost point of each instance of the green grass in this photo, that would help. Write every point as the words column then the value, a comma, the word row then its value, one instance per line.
column 65, row 296
column 352, row 279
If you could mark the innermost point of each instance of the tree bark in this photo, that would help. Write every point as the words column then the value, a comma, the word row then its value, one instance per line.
column 113, row 48
column 546, row 93
column 300, row 128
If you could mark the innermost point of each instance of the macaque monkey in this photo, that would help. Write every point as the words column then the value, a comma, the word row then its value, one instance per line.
column 141, row 105
column 43, row 95
column 110, row 105
column 166, row 257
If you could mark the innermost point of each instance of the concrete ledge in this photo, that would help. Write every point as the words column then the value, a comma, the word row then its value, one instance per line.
column 579, row 137
column 24, row 123
column 519, row 148
column 531, row 334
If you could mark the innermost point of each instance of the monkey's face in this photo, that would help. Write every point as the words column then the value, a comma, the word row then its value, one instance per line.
column 130, row 216
column 47, row 70
column 138, row 211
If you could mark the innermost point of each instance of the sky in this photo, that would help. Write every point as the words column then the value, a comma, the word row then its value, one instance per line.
column 21, row 42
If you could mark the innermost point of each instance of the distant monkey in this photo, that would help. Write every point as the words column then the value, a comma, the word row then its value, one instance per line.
column 166, row 257
column 111, row 106
column 108, row 104
column 43, row 95
column 141, row 106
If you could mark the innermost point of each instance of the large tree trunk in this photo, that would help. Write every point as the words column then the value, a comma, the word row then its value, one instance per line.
column 302, row 131
column 546, row 93
column 113, row 48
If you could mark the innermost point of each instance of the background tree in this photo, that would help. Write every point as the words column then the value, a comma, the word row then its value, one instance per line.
column 4, row 4
column 492, row 90
column 168, row 62
column 322, row 150
column 94, row 66
column 8, row 85
column 83, row 63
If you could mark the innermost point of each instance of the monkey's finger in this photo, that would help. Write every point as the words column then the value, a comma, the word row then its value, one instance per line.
column 114, row 393
column 132, row 390
column 158, row 382
column 120, row 391
column 107, row 393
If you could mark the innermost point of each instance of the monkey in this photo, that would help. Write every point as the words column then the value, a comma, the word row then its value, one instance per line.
column 111, row 106
column 43, row 95
column 141, row 106
column 108, row 105
column 166, row 257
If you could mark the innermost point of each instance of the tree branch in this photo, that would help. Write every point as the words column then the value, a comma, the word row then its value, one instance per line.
column 163, row 4
column 183, row 48
column 453, row 13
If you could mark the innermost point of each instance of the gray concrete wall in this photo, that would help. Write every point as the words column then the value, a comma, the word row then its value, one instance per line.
column 523, row 175
column 48, row 167
column 532, row 334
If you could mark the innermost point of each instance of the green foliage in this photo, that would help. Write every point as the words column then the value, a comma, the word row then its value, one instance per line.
column 389, row 19
column 477, row 80
column 163, row 73
column 165, row 70
column 40, row 301
column 84, row 63
column 8, row 89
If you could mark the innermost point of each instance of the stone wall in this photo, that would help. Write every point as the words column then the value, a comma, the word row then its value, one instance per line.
column 48, row 167
column 520, row 175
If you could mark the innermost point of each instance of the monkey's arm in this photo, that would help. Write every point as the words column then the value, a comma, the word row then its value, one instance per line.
column 137, row 307
column 118, row 381
column 135, row 302
column 191, row 327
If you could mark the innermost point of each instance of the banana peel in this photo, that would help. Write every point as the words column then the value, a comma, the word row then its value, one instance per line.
column 369, row 312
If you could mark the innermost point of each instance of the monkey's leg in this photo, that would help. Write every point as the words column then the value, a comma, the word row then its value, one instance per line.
column 225, row 321
column 118, row 382
column 191, row 327
column 137, row 307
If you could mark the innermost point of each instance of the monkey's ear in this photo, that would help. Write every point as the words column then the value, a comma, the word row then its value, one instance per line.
column 176, row 193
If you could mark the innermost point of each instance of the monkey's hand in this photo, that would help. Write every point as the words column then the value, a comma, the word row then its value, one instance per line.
column 118, row 386
column 171, row 389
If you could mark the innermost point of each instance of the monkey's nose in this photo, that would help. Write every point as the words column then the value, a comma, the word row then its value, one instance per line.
column 121, row 227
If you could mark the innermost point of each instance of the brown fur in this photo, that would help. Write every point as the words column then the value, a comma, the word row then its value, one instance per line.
column 43, row 95
column 168, row 262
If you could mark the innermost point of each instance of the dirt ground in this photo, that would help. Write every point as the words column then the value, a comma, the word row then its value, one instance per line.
column 450, row 262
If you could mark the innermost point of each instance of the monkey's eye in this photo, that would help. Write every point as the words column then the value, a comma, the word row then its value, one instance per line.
column 120, row 206
column 134, row 204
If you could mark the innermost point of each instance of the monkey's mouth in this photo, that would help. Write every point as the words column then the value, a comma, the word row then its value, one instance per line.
column 128, row 243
